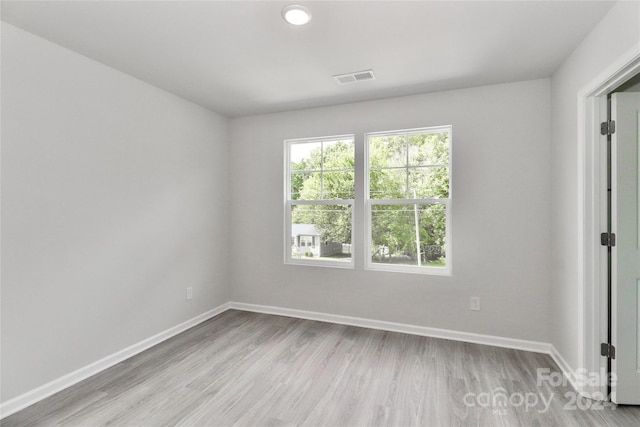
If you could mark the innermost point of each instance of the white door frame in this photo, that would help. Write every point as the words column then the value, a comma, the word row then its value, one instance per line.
column 592, row 210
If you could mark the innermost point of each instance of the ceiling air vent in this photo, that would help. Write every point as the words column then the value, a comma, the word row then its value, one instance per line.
column 358, row 76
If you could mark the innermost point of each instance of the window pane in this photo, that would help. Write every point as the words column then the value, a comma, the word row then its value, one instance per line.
column 322, row 170
column 387, row 151
column 305, row 156
column 338, row 155
column 429, row 149
column 328, row 226
column 305, row 240
column 388, row 184
column 306, row 185
column 338, row 185
column 393, row 234
column 425, row 183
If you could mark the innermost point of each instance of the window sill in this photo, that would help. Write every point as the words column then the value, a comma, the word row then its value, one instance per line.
column 428, row 271
column 312, row 263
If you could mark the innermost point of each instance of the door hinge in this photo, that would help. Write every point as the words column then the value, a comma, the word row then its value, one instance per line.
column 607, row 350
column 608, row 127
column 608, row 239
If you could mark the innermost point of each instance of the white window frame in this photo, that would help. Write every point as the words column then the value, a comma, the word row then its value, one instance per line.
column 369, row 264
column 289, row 203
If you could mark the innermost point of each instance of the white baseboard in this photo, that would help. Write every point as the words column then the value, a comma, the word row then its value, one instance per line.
column 20, row 402
column 576, row 378
column 27, row 399
column 566, row 369
column 533, row 346
column 516, row 344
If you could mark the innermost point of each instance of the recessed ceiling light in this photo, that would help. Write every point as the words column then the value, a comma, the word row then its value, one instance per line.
column 296, row 15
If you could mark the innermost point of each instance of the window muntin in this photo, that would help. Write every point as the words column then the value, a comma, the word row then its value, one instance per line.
column 409, row 166
column 408, row 183
column 319, row 201
column 321, row 170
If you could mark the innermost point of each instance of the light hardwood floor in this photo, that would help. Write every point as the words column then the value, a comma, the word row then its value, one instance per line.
column 249, row 369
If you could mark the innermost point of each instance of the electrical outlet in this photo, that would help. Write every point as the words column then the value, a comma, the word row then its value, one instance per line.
column 189, row 294
column 475, row 303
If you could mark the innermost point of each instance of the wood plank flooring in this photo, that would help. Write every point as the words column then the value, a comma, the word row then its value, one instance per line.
column 248, row 369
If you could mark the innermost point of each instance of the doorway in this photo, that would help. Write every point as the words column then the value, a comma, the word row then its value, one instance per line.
column 602, row 202
column 622, row 240
column 624, row 265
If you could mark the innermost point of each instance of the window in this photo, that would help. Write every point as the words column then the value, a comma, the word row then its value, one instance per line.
column 306, row 241
column 407, row 188
column 319, row 201
column 408, row 201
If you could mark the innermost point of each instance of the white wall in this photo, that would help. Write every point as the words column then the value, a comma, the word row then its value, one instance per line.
column 114, row 199
column 501, row 214
column 618, row 32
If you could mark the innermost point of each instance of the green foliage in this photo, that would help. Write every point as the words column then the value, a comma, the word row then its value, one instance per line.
column 404, row 168
column 401, row 167
column 327, row 173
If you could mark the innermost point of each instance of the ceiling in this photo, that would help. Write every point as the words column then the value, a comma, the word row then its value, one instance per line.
column 241, row 58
